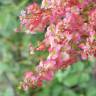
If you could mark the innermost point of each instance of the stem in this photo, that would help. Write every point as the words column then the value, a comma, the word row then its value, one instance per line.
column 10, row 83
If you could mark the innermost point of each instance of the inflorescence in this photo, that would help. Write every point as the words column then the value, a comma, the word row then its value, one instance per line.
column 70, row 35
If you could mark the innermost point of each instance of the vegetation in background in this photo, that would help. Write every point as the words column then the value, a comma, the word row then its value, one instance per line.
column 76, row 80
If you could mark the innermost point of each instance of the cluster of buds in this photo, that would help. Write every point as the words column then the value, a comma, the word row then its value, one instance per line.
column 70, row 35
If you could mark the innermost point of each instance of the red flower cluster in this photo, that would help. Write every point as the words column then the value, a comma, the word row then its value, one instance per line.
column 70, row 35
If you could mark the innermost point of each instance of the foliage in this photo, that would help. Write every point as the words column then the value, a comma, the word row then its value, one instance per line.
column 76, row 80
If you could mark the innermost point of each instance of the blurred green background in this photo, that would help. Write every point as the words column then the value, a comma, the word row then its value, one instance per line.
column 76, row 80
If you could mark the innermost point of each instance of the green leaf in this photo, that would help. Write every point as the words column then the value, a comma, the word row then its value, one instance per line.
column 79, row 66
column 3, row 67
column 8, row 92
column 68, row 93
column 71, row 80
column 6, row 1
column 91, row 91
column 56, row 90
column 60, row 75
column 84, row 77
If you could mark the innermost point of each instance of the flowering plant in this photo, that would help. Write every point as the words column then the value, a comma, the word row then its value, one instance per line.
column 70, row 35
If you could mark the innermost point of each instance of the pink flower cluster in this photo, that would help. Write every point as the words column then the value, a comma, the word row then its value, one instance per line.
column 70, row 35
